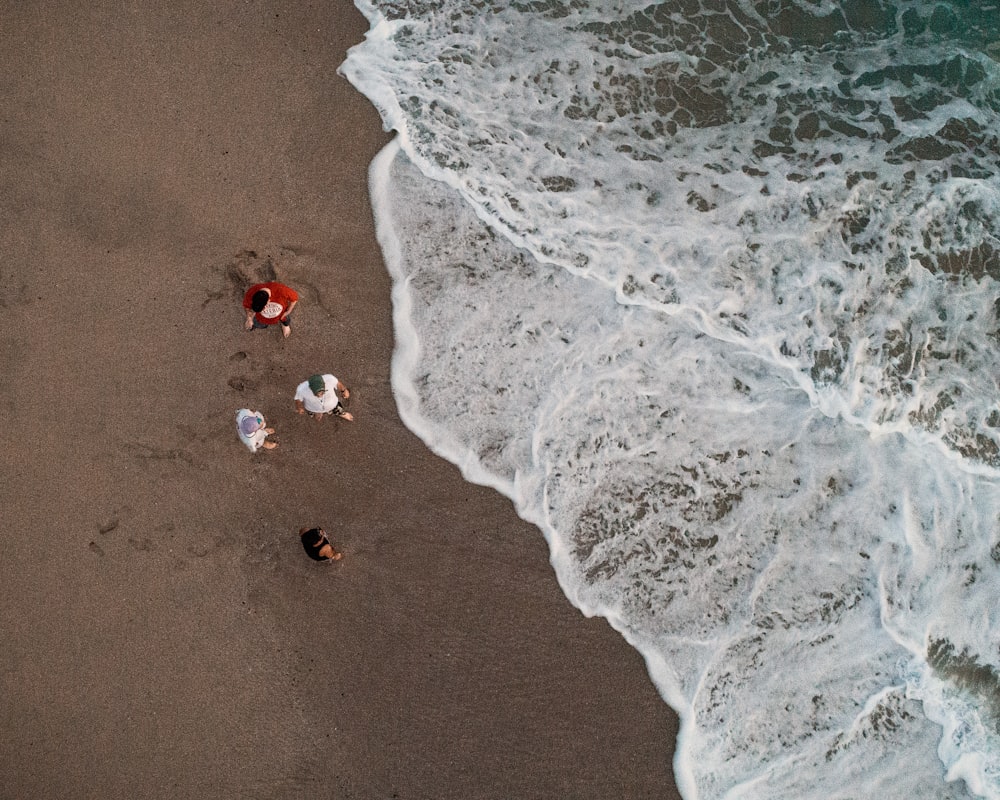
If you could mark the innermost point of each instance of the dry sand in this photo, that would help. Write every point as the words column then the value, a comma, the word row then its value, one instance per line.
column 163, row 634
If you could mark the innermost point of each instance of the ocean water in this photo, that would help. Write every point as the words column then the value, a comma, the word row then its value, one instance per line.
column 711, row 290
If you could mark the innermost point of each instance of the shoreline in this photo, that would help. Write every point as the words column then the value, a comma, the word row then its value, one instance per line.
column 166, row 635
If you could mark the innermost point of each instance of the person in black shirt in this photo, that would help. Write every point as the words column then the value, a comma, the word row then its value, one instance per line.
column 317, row 546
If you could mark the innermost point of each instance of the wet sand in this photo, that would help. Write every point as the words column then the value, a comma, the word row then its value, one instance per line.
column 164, row 634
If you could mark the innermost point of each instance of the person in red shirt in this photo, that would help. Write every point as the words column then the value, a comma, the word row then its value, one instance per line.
column 269, row 304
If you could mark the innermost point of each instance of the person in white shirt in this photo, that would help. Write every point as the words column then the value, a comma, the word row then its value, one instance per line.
column 318, row 396
column 253, row 430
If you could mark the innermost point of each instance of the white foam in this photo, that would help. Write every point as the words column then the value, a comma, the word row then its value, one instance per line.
column 753, row 426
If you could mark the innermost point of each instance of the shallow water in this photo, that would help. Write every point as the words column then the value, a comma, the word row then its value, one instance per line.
column 710, row 291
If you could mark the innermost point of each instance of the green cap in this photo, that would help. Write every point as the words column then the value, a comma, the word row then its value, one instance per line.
column 317, row 384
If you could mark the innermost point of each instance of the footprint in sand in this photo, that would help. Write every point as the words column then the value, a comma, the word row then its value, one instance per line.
column 241, row 384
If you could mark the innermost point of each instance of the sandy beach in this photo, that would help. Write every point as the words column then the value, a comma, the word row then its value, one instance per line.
column 163, row 633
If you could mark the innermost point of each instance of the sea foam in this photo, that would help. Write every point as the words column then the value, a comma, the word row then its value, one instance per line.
column 718, row 313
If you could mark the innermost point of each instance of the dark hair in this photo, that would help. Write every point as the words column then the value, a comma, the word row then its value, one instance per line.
column 312, row 537
column 259, row 300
